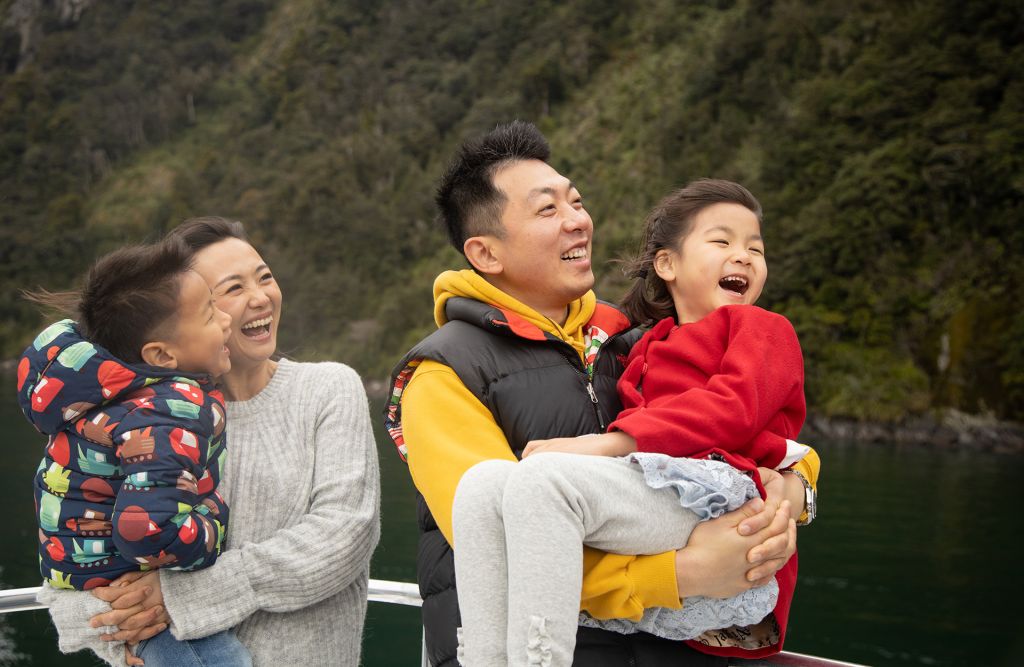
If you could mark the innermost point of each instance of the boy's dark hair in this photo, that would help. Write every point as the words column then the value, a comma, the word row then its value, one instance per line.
column 198, row 233
column 129, row 297
column 469, row 205
column 648, row 300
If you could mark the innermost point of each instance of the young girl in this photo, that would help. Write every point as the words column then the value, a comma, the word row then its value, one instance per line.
column 717, row 381
column 136, row 434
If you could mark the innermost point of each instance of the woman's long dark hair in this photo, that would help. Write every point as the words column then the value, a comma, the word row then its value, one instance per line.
column 666, row 227
column 198, row 233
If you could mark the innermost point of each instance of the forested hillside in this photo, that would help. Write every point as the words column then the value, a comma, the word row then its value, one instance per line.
column 885, row 140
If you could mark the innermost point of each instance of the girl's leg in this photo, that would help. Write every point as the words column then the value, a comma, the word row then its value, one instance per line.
column 553, row 504
column 481, row 574
column 219, row 649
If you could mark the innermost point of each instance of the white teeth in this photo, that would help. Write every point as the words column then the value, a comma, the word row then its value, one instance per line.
column 578, row 253
column 258, row 323
column 734, row 279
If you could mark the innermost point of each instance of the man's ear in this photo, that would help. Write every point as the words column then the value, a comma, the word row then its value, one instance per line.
column 480, row 251
column 665, row 264
column 159, row 353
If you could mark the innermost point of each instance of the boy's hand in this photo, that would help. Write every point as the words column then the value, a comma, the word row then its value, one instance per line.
column 615, row 443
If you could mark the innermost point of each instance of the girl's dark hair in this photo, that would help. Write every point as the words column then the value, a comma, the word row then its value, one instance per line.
column 198, row 233
column 649, row 300
column 128, row 299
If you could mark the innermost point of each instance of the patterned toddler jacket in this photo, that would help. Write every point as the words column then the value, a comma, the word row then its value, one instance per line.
column 134, row 453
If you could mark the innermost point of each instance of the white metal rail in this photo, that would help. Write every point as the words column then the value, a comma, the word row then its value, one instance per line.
column 404, row 593
column 379, row 590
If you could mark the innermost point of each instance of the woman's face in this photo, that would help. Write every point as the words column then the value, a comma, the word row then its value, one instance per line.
column 244, row 288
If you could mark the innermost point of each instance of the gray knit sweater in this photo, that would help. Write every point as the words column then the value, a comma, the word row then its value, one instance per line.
column 304, row 490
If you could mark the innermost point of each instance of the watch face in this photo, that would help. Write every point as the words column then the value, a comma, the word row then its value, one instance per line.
column 810, row 500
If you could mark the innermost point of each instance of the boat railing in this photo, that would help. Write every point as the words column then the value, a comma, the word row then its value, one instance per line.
column 404, row 593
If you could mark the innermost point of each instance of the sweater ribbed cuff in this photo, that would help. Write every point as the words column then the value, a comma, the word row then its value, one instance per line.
column 203, row 602
column 655, row 580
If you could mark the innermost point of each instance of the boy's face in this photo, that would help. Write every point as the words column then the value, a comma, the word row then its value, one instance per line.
column 545, row 251
column 720, row 262
column 202, row 331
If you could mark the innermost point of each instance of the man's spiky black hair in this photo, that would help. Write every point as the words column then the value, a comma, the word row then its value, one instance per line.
column 468, row 203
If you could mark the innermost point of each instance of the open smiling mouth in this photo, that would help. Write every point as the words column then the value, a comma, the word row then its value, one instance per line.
column 257, row 328
column 578, row 253
column 734, row 284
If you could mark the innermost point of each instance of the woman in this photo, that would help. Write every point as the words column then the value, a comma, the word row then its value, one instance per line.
column 302, row 482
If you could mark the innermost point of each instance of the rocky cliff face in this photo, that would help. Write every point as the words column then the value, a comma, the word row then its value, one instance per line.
column 23, row 16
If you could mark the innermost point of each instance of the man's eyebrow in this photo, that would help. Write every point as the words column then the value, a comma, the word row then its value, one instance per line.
column 548, row 190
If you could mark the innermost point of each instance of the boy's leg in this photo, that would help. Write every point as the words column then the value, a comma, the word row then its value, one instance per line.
column 553, row 504
column 219, row 649
column 481, row 576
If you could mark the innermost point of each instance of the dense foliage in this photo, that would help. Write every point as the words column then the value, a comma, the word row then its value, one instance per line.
column 885, row 140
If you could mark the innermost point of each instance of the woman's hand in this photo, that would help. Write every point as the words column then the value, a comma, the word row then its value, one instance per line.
column 615, row 443
column 717, row 559
column 137, row 608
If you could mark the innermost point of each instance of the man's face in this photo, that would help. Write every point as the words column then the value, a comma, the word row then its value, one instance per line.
column 545, row 252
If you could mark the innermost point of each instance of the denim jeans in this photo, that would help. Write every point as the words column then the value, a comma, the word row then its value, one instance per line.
column 222, row 648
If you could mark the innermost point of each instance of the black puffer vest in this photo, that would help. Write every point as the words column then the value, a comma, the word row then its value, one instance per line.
column 535, row 386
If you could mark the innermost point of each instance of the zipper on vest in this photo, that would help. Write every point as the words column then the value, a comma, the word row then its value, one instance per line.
column 597, row 406
column 587, row 382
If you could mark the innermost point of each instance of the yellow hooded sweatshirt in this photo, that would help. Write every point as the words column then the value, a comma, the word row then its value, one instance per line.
column 439, row 451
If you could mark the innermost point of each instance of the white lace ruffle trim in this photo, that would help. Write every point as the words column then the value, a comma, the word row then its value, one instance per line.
column 708, row 489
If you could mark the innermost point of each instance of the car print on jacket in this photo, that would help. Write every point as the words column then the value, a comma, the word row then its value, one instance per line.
column 130, row 465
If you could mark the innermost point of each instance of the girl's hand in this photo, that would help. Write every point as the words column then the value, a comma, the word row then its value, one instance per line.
column 136, row 607
column 615, row 443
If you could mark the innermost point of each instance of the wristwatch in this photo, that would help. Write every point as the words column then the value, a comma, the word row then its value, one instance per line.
column 810, row 500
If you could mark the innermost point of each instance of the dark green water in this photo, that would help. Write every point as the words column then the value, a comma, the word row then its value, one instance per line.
column 913, row 561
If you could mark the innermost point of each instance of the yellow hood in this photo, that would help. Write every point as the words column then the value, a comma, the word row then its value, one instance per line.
column 469, row 284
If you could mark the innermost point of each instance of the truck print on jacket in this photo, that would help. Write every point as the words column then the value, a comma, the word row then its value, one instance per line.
column 129, row 476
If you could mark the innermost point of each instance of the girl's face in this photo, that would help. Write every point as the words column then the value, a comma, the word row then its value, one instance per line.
column 720, row 262
column 244, row 288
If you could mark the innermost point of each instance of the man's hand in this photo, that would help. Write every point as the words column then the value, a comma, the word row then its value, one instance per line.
column 717, row 559
column 782, row 491
column 615, row 443
column 137, row 608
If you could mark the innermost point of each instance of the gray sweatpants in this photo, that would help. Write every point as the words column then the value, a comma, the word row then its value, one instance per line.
column 526, row 523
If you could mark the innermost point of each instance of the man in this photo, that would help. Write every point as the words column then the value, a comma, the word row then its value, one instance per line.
column 525, row 352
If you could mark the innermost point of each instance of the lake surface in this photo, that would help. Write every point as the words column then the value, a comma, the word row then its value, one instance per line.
column 913, row 560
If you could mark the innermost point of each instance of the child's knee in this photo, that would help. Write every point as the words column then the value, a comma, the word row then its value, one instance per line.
column 537, row 481
column 481, row 487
